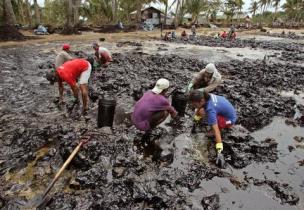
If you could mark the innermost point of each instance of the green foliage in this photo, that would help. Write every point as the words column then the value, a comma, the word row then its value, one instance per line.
column 54, row 12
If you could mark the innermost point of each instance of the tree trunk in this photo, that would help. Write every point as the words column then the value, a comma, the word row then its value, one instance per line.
column 28, row 12
column 114, row 10
column 76, row 6
column 8, row 13
column 22, row 13
column 138, row 14
column 37, row 13
column 166, row 13
column 70, row 17
column 176, row 14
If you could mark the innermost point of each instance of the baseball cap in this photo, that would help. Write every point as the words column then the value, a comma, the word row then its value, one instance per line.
column 94, row 45
column 161, row 85
column 210, row 68
column 66, row 47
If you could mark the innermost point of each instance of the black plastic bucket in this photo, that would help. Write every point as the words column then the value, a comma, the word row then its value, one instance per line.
column 179, row 102
column 106, row 112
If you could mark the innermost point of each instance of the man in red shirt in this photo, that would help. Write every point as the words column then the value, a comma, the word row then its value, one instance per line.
column 69, row 72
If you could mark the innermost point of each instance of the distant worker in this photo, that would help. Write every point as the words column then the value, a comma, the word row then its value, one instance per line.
column 224, row 35
column 102, row 55
column 153, row 108
column 70, row 72
column 184, row 35
column 206, row 80
column 63, row 56
column 168, row 36
column 193, row 30
column 220, row 114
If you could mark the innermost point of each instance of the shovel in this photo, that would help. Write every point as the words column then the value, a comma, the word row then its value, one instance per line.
column 41, row 200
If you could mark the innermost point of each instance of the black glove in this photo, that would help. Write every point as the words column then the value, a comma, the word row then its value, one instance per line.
column 220, row 161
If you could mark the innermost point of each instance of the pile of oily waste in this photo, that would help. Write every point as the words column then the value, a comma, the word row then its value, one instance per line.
column 241, row 43
column 110, row 172
column 289, row 35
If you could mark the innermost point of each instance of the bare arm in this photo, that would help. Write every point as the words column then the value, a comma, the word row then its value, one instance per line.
column 217, row 133
column 84, row 93
column 212, row 86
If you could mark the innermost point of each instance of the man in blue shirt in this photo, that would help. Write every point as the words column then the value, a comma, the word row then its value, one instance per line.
column 220, row 113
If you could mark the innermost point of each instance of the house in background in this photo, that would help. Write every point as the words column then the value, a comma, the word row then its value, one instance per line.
column 152, row 15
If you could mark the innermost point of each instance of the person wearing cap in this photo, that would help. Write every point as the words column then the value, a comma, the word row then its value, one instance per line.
column 153, row 107
column 219, row 111
column 69, row 72
column 206, row 80
column 102, row 55
column 63, row 56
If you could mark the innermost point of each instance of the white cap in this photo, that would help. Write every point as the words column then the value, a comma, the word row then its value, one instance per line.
column 210, row 68
column 161, row 85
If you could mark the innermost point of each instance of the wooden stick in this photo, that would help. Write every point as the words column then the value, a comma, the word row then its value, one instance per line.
column 72, row 155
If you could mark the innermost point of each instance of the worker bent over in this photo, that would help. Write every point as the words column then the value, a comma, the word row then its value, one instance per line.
column 153, row 108
column 69, row 72
column 206, row 80
column 102, row 55
column 219, row 112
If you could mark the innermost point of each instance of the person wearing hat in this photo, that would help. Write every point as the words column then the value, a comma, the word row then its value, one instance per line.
column 206, row 80
column 219, row 111
column 102, row 55
column 153, row 107
column 69, row 72
column 63, row 56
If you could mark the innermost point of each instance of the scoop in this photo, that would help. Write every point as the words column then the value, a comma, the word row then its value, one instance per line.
column 42, row 199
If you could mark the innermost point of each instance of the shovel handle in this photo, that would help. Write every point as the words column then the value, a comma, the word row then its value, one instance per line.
column 66, row 163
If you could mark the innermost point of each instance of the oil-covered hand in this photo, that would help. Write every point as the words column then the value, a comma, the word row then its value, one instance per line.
column 197, row 118
column 220, row 161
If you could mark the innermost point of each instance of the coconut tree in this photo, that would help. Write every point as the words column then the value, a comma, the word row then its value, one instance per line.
column 276, row 4
column 195, row 7
column 37, row 12
column 165, row 2
column 253, row 8
column 9, row 18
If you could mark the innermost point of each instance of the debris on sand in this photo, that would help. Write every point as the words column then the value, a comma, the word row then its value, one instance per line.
column 10, row 33
column 282, row 191
column 241, row 43
column 211, row 202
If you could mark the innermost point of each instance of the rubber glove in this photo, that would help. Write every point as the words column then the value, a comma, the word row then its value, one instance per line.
column 219, row 147
column 190, row 86
column 197, row 118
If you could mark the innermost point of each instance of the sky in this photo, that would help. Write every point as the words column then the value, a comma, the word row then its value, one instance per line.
column 245, row 7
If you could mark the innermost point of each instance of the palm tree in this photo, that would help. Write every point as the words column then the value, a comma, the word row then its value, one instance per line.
column 37, row 12
column 239, row 5
column 254, row 7
column 8, row 13
column 195, row 7
column 263, row 5
column 276, row 4
column 165, row 2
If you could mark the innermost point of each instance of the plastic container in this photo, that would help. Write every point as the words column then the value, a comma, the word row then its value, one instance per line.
column 106, row 112
column 179, row 102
